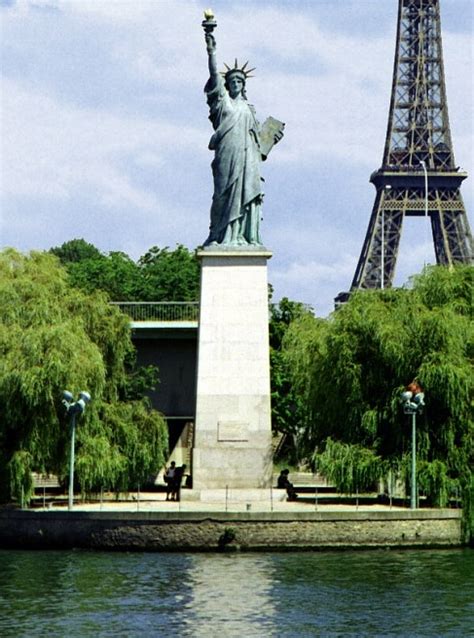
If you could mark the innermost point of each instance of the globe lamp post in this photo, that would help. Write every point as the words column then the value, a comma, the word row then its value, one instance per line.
column 413, row 400
column 73, row 410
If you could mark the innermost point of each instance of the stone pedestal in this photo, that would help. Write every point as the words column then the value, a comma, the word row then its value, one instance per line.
column 232, row 444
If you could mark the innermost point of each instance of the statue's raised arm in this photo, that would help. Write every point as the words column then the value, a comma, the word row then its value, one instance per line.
column 209, row 24
column 239, row 144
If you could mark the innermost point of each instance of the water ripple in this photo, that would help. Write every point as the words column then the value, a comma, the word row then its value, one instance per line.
column 351, row 594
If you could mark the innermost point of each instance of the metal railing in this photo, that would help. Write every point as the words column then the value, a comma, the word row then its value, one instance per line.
column 160, row 311
column 163, row 311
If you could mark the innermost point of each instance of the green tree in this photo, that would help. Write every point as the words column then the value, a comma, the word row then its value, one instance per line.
column 116, row 274
column 76, row 250
column 288, row 410
column 159, row 275
column 352, row 368
column 169, row 275
column 53, row 337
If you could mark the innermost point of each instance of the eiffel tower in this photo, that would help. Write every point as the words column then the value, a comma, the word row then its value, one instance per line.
column 419, row 176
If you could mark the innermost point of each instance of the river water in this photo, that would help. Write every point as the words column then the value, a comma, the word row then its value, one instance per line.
column 376, row 593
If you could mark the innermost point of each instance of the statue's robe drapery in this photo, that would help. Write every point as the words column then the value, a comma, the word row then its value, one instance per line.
column 236, row 165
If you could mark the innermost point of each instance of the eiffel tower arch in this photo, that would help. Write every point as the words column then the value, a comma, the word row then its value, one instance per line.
column 418, row 176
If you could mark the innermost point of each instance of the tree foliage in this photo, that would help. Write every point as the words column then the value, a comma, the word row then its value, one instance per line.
column 352, row 467
column 76, row 250
column 351, row 369
column 159, row 275
column 169, row 275
column 288, row 410
column 54, row 337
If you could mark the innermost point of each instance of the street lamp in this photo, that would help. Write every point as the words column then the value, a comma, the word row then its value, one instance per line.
column 73, row 409
column 413, row 401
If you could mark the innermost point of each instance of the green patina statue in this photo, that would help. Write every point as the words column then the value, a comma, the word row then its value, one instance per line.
column 240, row 144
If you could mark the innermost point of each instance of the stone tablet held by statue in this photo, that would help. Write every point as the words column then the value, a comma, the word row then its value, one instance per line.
column 239, row 144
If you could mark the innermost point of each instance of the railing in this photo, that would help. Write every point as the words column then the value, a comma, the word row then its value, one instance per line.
column 166, row 310
column 159, row 310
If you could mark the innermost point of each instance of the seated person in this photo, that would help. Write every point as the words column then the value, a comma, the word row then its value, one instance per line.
column 284, row 483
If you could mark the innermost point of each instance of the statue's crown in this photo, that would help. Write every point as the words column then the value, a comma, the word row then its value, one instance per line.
column 243, row 72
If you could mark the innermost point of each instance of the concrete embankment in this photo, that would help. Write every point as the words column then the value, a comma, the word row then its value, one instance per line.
column 247, row 531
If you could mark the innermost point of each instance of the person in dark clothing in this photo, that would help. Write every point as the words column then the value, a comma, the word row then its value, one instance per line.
column 176, row 483
column 283, row 483
column 168, row 478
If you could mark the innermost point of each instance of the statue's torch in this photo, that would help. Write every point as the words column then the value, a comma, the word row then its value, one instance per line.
column 209, row 23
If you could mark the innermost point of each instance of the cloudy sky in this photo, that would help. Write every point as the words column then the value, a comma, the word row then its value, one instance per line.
column 105, row 131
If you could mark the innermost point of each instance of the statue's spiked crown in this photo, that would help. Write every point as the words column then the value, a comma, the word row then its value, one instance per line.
column 242, row 71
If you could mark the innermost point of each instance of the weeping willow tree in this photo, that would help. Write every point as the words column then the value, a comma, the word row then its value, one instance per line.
column 351, row 467
column 54, row 337
column 350, row 371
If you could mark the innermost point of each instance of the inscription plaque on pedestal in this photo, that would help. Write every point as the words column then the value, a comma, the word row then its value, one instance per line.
column 232, row 431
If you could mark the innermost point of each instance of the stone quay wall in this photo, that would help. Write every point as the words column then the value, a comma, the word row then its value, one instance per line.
column 245, row 531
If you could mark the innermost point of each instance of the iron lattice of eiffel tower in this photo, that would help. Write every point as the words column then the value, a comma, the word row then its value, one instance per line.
column 419, row 176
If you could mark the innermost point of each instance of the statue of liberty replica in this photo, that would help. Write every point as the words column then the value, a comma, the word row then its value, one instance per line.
column 240, row 144
column 232, row 447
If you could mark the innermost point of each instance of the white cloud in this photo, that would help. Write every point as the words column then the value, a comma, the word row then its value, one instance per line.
column 102, row 105
column 55, row 149
column 312, row 273
column 313, row 282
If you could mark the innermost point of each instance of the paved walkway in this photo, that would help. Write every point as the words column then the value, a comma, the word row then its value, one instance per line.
column 156, row 502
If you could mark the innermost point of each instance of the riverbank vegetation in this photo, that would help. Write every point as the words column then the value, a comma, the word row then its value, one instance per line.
column 56, row 337
column 336, row 382
column 350, row 370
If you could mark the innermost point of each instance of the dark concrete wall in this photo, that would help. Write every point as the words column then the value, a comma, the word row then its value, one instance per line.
column 176, row 358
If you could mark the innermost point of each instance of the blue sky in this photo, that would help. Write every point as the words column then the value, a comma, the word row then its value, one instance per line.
column 105, row 131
